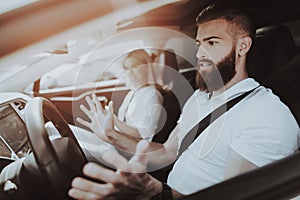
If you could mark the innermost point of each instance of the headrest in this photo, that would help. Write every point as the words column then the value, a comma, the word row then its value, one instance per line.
column 272, row 48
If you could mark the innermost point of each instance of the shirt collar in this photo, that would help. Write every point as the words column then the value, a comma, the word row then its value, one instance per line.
column 241, row 87
column 235, row 90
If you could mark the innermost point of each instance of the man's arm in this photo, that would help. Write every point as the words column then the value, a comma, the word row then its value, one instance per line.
column 128, row 181
column 158, row 155
column 236, row 165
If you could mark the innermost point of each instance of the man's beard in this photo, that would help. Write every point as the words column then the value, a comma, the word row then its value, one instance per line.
column 220, row 74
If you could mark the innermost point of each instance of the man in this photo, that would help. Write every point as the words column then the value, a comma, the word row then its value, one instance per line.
column 255, row 132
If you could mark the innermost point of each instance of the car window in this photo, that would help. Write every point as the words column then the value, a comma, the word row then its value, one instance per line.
column 8, row 5
column 98, row 61
column 89, row 67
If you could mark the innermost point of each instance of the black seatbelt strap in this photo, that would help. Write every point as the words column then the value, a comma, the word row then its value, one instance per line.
column 210, row 118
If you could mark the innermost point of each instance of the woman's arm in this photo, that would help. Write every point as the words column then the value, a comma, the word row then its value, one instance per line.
column 102, row 124
column 144, row 111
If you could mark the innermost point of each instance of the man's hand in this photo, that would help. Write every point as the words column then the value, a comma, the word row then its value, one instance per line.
column 129, row 181
column 101, row 120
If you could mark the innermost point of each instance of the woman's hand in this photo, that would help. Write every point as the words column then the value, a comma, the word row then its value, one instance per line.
column 101, row 120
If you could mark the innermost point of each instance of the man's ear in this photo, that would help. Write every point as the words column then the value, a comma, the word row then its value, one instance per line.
column 244, row 45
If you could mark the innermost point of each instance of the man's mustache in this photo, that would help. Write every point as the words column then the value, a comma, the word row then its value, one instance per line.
column 204, row 60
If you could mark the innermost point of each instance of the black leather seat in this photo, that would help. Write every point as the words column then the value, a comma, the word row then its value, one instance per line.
column 170, row 115
column 285, row 83
column 272, row 48
column 275, row 62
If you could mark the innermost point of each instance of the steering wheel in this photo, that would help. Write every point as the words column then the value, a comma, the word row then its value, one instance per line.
column 59, row 160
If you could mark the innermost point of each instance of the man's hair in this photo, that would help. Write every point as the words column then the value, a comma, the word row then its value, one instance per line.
column 242, row 19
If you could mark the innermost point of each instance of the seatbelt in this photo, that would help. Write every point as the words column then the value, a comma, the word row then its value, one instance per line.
column 210, row 118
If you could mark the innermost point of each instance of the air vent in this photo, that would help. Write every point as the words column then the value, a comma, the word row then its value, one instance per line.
column 20, row 105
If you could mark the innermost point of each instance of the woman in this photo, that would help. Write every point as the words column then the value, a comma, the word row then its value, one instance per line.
column 141, row 109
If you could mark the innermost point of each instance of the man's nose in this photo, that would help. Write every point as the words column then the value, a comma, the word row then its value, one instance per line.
column 201, row 52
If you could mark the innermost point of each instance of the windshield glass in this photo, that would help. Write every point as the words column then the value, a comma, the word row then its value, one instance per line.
column 9, row 5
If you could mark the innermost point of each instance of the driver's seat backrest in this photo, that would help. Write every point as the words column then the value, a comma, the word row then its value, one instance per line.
column 168, row 117
column 285, row 83
column 274, row 61
column 171, row 106
column 272, row 48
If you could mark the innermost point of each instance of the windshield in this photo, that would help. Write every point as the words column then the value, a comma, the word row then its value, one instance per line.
column 64, row 45
column 9, row 5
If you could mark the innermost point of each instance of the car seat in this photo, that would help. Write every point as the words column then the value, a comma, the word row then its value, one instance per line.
column 171, row 104
column 272, row 48
column 285, row 83
column 274, row 62
column 170, row 115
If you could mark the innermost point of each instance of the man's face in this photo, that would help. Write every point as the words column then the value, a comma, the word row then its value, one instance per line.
column 216, row 55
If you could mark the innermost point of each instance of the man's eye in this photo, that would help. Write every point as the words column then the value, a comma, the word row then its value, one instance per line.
column 212, row 43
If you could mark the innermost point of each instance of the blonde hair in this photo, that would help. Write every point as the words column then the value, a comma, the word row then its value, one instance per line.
column 141, row 57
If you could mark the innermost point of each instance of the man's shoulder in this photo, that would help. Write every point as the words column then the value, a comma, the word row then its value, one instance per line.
column 265, row 97
column 263, row 103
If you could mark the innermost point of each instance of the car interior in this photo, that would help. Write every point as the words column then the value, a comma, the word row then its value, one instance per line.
column 35, row 166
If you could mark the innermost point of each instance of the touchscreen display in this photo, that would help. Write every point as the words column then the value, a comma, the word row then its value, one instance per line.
column 13, row 132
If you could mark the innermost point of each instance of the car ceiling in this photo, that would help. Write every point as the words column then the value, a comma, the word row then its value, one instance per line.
column 183, row 13
column 179, row 13
column 43, row 19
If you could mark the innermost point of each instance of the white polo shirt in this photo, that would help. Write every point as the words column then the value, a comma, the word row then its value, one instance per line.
column 259, row 128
